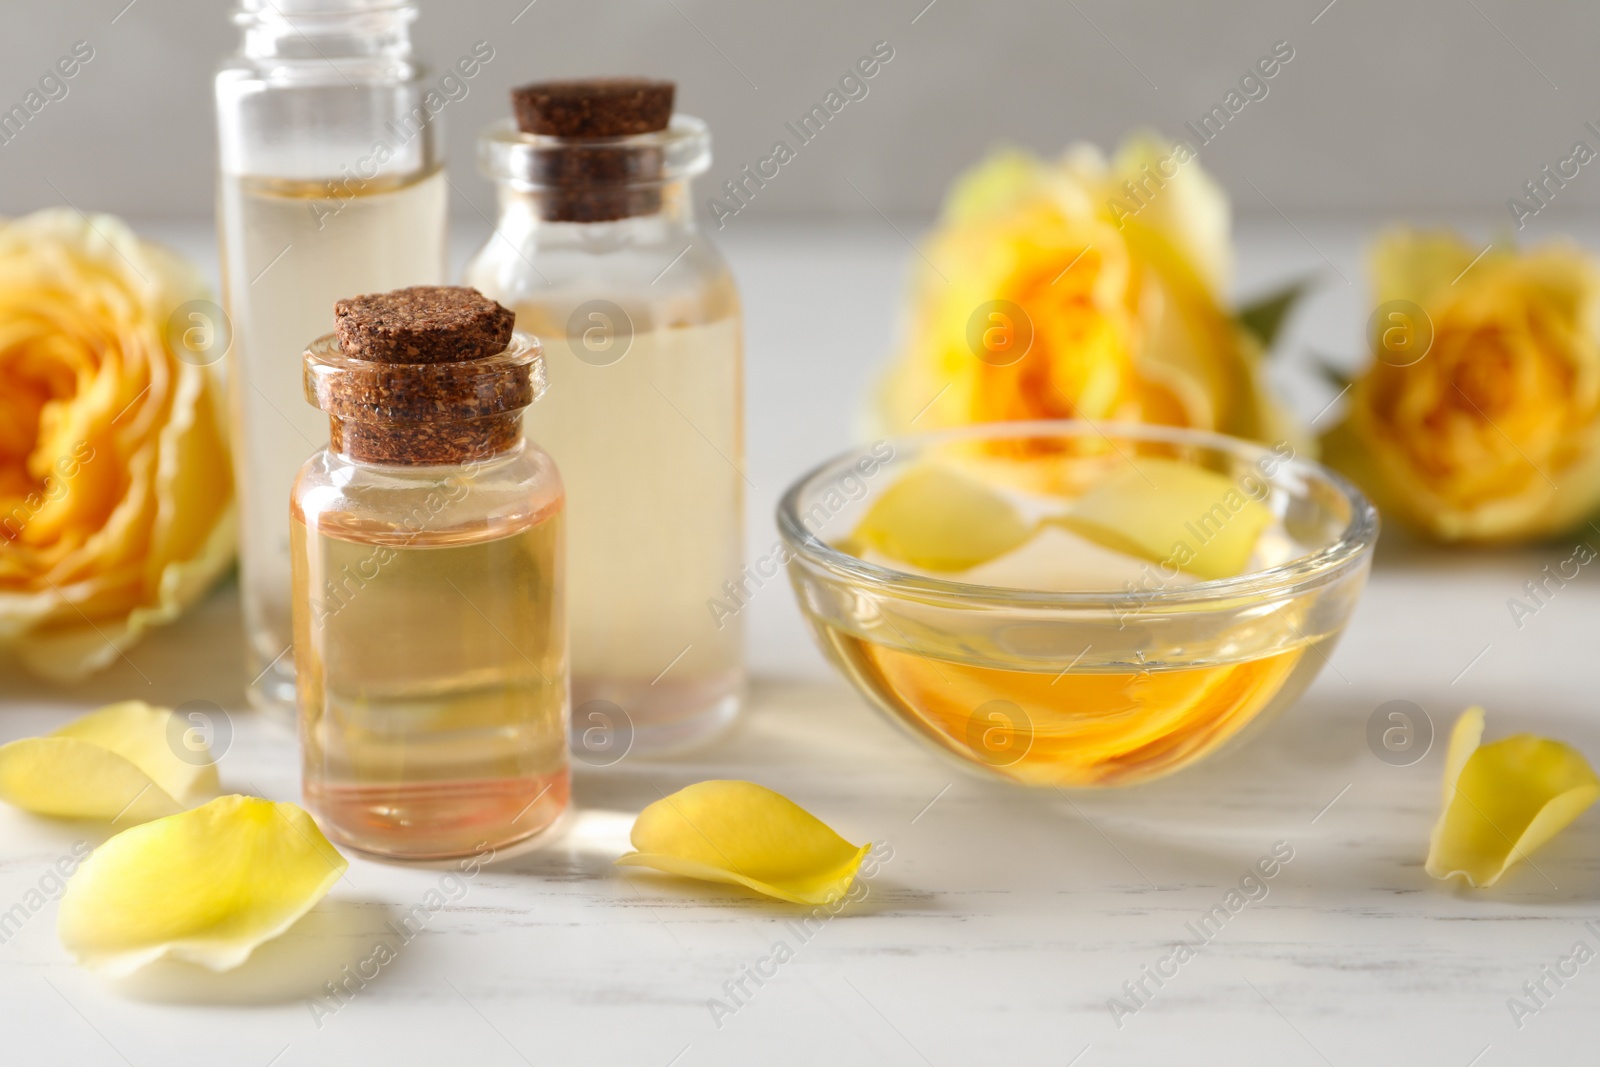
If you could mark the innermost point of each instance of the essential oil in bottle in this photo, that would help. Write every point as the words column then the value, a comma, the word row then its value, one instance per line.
column 429, row 589
column 331, row 182
column 597, row 252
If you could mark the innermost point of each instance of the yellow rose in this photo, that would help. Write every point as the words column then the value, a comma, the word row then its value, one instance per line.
column 1491, row 432
column 116, row 501
column 1080, row 288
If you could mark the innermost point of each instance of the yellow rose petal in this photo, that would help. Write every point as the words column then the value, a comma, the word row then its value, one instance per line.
column 115, row 763
column 745, row 834
column 1503, row 800
column 1465, row 737
column 206, row 886
column 1163, row 510
column 942, row 521
column 993, row 186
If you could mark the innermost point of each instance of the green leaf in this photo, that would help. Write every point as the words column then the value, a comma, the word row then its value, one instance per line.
column 1327, row 368
column 1265, row 317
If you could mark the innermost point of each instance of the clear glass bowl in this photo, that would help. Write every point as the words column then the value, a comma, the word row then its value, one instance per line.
column 1079, row 689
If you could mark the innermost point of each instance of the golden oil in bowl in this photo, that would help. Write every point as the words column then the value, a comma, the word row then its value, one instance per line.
column 1066, row 661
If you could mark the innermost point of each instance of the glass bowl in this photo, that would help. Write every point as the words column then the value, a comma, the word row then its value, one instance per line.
column 1078, row 689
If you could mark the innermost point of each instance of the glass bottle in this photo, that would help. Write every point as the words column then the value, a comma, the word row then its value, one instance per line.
column 330, row 184
column 641, row 325
column 429, row 606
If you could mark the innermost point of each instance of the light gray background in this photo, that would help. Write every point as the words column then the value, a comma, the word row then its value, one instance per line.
column 1447, row 105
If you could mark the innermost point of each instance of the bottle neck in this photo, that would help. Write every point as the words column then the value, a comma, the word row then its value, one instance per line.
column 324, row 30
column 423, row 414
column 634, row 188
column 638, row 214
column 443, row 443
column 323, row 90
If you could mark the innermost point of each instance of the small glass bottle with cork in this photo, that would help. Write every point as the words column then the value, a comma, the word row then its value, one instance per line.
column 331, row 182
column 429, row 593
column 597, row 251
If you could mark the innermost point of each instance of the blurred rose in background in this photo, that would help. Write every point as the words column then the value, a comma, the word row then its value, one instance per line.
column 116, row 500
column 1478, row 419
column 1081, row 288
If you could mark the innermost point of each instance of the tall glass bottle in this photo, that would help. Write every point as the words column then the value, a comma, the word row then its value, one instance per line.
column 330, row 184
column 597, row 251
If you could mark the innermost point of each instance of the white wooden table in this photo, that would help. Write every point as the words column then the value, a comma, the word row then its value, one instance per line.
column 1004, row 921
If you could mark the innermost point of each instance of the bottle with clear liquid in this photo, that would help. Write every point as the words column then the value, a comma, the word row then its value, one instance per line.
column 429, row 606
column 597, row 251
column 330, row 184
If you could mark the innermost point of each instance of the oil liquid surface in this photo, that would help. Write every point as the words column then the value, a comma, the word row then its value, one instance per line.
column 433, row 686
column 290, row 250
column 1072, row 728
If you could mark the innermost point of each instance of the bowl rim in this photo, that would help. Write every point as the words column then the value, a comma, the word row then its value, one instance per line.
column 1351, row 549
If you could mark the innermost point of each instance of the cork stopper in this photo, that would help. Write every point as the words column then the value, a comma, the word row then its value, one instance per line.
column 594, row 178
column 423, row 376
column 594, row 107
column 422, row 324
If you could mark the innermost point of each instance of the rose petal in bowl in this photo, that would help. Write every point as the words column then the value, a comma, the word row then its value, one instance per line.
column 745, row 834
column 940, row 520
column 206, row 886
column 1163, row 510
